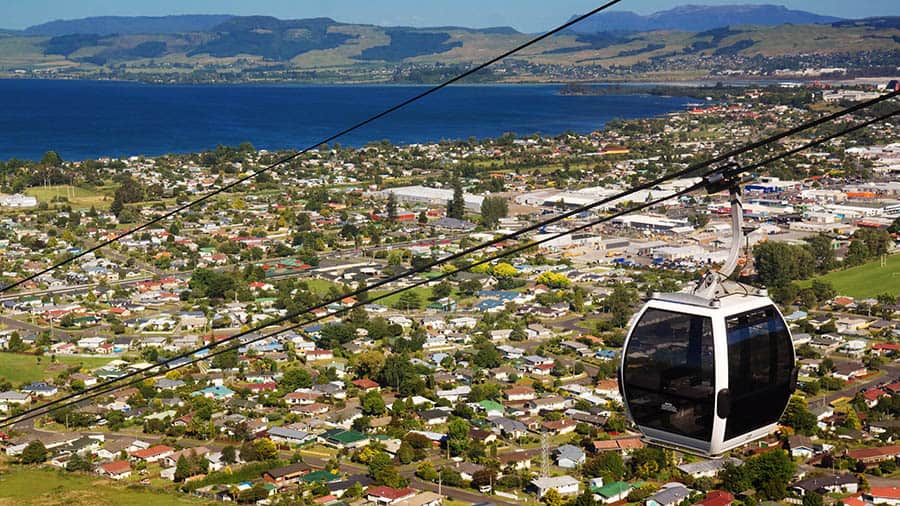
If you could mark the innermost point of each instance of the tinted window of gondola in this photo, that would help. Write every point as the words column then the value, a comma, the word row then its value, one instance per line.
column 669, row 373
column 760, row 361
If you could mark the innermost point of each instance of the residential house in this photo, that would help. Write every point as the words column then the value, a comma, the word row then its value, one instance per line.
column 286, row 475
column 288, row 435
column 707, row 468
column 835, row 483
column 519, row 393
column 340, row 438
column 153, row 454
column 883, row 495
column 434, row 416
column 384, row 495
column 564, row 485
column 12, row 398
column 569, row 456
column 366, row 385
column 716, row 498
column 671, row 494
column 552, row 403
column 172, row 460
column 613, row 492
column 518, row 460
column 875, row 455
column 560, row 427
column 116, row 470
column 40, row 388
column 509, row 428
column 339, row 488
column 849, row 370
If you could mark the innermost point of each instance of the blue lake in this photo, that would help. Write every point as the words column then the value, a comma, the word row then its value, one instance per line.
column 91, row 119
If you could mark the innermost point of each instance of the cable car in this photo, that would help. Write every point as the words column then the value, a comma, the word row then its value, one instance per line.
column 711, row 369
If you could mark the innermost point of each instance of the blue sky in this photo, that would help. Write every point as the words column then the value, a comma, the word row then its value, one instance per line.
column 524, row 15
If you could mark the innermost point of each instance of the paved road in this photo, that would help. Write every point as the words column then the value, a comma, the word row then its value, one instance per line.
column 470, row 496
column 888, row 373
column 37, row 329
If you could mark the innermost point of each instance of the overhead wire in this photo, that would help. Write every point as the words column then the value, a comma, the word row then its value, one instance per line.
column 113, row 385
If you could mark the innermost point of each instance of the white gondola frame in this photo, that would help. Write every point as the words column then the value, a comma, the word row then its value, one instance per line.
column 718, row 311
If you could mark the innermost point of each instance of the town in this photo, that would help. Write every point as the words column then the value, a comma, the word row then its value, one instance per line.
column 495, row 384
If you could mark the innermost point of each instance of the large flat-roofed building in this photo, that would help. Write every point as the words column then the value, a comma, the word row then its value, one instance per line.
column 430, row 196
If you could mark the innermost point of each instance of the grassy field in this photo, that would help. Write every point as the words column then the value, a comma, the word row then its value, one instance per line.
column 78, row 197
column 867, row 280
column 35, row 486
column 19, row 368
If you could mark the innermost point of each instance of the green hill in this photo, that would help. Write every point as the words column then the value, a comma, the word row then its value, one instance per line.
column 246, row 48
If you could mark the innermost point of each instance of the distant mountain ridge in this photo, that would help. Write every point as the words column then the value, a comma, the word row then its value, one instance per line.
column 199, row 48
column 129, row 25
column 693, row 18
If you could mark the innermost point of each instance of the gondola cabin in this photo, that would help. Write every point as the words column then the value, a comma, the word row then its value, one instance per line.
column 707, row 375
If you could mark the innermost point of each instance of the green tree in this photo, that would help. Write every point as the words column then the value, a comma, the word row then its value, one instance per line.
column 607, row 465
column 456, row 207
column 852, row 420
column 442, row 289
column 368, row 363
column 15, row 343
column 51, row 159
column 34, row 453
column 492, row 210
column 406, row 453
column 229, row 454
column 226, row 360
column 813, row 499
column 427, row 472
column 857, row 254
column 735, row 479
column 265, row 449
column 798, row 416
column 770, row 473
column 372, row 404
column 554, row 279
column 779, row 263
column 457, row 436
column 392, row 207
column 552, row 498
column 619, row 304
column 877, row 241
column 78, row 463
column 586, row 499
column 294, row 378
column 824, row 290
column 487, row 357
column 182, row 469
column 409, row 300
column 248, row 452
column 451, row 477
column 822, row 252
column 504, row 270
column 423, row 217
column 894, row 228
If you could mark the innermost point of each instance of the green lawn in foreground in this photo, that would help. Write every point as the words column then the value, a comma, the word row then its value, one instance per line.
column 867, row 280
column 20, row 368
column 38, row 486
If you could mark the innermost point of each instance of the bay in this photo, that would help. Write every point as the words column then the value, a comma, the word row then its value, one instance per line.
column 92, row 119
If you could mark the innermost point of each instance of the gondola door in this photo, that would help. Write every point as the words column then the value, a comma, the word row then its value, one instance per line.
column 668, row 376
column 761, row 373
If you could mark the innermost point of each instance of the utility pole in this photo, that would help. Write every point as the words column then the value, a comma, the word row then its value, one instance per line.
column 545, row 454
